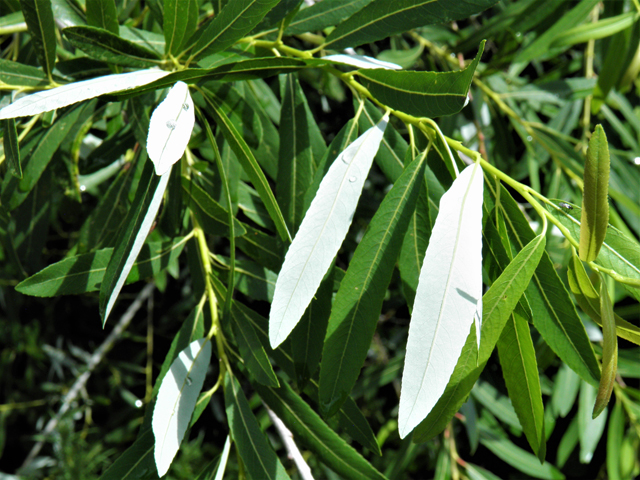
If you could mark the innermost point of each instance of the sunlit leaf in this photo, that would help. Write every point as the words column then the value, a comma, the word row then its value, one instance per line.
column 176, row 400
column 321, row 233
column 447, row 297
column 362, row 61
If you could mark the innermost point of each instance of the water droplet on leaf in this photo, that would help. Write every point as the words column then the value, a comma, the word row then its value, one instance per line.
column 171, row 124
column 352, row 179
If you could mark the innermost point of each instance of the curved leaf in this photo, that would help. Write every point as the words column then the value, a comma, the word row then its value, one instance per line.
column 423, row 94
column 447, row 297
column 176, row 400
column 321, row 233
column 609, row 351
column 59, row 97
column 595, row 200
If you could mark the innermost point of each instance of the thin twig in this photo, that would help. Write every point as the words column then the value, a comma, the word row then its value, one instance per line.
column 292, row 449
column 93, row 362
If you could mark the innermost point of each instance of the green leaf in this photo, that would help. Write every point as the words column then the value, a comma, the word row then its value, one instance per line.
column 296, row 163
column 422, row 94
column 38, row 153
column 180, row 21
column 103, row 14
column 404, row 58
column 379, row 19
column 595, row 200
column 136, row 463
column 135, row 230
column 357, row 305
column 235, row 20
column 589, row 301
column 109, row 47
column 16, row 74
column 323, row 230
column 323, row 14
column 594, row 31
column 265, row 250
column 252, row 353
column 609, row 351
column 249, row 164
column 448, row 298
column 84, row 273
column 257, row 455
column 510, row 285
column 11, row 148
column 615, row 436
column 311, row 431
column 520, row 371
column 618, row 252
column 565, row 390
column 540, row 47
column 39, row 18
column 554, row 314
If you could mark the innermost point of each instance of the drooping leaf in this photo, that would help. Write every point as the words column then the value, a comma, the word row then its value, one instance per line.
column 109, row 47
column 259, row 458
column 180, row 21
column 311, row 430
column 609, row 351
column 379, row 19
column 11, row 148
column 135, row 230
column 595, row 199
column 40, row 23
column 250, row 166
column 590, row 429
column 170, row 128
column 59, row 97
column 447, row 298
column 103, row 14
column 423, row 94
column 176, row 400
column 84, row 273
column 497, row 304
column 520, row 371
column 234, row 21
column 321, row 233
column 357, row 305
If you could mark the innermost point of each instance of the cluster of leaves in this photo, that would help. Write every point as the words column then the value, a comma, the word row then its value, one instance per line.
column 186, row 142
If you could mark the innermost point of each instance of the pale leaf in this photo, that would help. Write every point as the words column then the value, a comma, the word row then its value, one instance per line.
column 176, row 400
column 447, row 296
column 59, row 97
column 170, row 128
column 362, row 61
column 321, row 233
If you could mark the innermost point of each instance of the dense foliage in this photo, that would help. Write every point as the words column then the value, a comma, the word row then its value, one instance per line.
column 415, row 259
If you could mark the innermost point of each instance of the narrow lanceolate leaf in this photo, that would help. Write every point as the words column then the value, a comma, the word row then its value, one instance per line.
column 447, row 297
column 135, row 230
column 11, row 148
column 296, row 165
column 259, row 458
column 176, row 400
column 17, row 74
column 321, row 233
column 103, row 14
column 59, row 97
column 379, row 19
column 136, row 462
column 234, row 21
column 103, row 45
column 323, row 14
column 39, row 18
column 520, row 371
column 595, row 201
column 180, row 21
column 362, row 61
column 170, row 128
column 357, row 305
column 609, row 350
column 423, row 94
column 250, row 166
column 84, row 273
column 588, row 300
column 315, row 434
